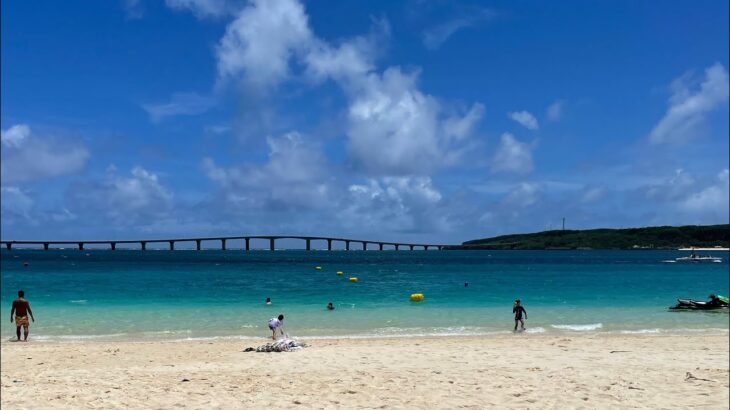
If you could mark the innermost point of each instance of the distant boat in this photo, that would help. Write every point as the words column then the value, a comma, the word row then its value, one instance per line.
column 694, row 257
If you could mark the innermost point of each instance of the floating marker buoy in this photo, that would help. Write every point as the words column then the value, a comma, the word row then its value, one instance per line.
column 339, row 272
column 318, row 267
column 353, row 279
column 417, row 297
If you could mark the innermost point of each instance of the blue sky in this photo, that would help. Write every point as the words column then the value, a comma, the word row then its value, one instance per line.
column 415, row 120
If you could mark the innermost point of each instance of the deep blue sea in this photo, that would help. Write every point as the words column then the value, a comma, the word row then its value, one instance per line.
column 155, row 294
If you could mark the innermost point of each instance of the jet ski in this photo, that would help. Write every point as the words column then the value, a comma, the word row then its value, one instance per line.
column 715, row 302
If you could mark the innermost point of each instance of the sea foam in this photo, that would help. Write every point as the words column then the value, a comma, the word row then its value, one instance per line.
column 579, row 328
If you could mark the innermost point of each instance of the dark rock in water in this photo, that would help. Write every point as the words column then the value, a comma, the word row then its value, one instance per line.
column 250, row 349
column 185, row 380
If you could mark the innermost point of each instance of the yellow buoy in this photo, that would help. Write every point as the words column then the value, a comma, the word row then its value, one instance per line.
column 417, row 297
column 353, row 279
column 318, row 267
column 339, row 272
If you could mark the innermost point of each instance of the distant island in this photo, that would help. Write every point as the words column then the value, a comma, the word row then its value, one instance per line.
column 657, row 237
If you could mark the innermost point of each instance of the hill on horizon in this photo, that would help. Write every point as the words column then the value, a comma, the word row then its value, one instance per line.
column 656, row 237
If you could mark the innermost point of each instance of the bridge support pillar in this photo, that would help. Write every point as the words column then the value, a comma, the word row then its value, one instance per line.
column 272, row 244
column 172, row 245
column 329, row 244
column 223, row 244
column 425, row 247
column 396, row 246
column 144, row 245
column 45, row 246
column 364, row 246
column 347, row 245
column 197, row 244
column 439, row 247
column 9, row 245
column 380, row 245
column 411, row 247
column 81, row 246
column 113, row 246
column 309, row 244
column 248, row 243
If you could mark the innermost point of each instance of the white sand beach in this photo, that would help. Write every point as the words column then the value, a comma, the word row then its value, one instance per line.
column 510, row 371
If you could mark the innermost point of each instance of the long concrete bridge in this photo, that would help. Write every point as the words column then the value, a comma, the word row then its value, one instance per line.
column 223, row 239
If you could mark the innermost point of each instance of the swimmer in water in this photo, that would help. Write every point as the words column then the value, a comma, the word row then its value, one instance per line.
column 268, row 301
column 330, row 306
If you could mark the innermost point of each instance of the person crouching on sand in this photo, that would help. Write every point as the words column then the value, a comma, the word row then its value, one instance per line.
column 21, row 309
column 518, row 310
column 275, row 325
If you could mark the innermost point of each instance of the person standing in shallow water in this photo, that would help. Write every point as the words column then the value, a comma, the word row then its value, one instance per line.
column 518, row 310
column 21, row 310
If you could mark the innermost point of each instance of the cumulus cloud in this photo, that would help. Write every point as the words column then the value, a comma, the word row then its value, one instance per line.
column 15, row 135
column 122, row 200
column 555, row 111
column 393, row 128
column 525, row 119
column 402, row 204
column 689, row 104
column 434, row 37
column 27, row 157
column 512, row 156
column 180, row 104
column 712, row 199
column 295, row 176
column 259, row 43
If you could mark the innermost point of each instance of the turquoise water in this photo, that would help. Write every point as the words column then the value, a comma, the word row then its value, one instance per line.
column 131, row 294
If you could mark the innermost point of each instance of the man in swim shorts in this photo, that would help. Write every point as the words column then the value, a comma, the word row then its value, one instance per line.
column 518, row 310
column 21, row 310
column 275, row 325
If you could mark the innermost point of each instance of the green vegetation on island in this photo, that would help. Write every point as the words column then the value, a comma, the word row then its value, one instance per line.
column 658, row 237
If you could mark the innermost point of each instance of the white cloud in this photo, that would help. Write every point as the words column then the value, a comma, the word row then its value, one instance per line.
column 15, row 135
column 393, row 128
column 123, row 200
column 259, row 43
column 712, row 199
column 397, row 204
column 525, row 119
column 180, row 104
column 512, row 156
column 15, row 204
column 555, row 111
column 202, row 8
column 295, row 176
column 688, row 107
column 462, row 127
column 436, row 36
column 29, row 157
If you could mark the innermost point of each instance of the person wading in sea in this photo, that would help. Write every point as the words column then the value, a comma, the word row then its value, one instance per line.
column 21, row 310
column 518, row 310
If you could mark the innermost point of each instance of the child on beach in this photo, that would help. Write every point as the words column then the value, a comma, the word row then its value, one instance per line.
column 21, row 309
column 518, row 310
column 275, row 325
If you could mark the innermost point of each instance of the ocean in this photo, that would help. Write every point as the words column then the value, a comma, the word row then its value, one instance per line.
column 158, row 294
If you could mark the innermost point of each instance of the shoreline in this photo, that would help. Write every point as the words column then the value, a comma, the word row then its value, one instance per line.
column 580, row 330
column 507, row 371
